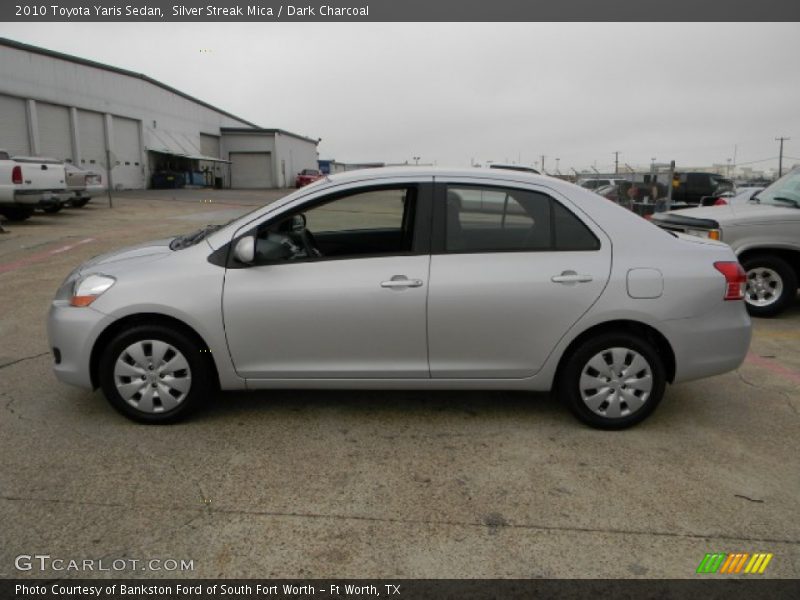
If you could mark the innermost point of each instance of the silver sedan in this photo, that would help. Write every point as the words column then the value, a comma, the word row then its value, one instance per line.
column 408, row 278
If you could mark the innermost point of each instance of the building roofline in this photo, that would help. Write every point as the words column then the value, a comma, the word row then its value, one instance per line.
column 97, row 65
column 266, row 130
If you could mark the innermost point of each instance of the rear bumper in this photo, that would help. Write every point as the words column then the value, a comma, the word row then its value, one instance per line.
column 714, row 343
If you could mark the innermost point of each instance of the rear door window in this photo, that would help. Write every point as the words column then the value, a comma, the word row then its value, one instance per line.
column 490, row 219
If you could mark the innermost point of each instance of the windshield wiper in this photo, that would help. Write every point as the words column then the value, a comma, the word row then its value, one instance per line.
column 790, row 201
column 184, row 241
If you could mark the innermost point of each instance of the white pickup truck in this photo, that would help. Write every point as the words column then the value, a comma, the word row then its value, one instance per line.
column 27, row 183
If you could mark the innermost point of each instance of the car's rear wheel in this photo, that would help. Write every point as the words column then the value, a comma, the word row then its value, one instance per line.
column 79, row 202
column 771, row 285
column 52, row 209
column 154, row 374
column 612, row 381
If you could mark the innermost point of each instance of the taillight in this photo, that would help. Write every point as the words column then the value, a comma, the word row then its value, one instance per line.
column 735, row 279
column 16, row 174
column 720, row 202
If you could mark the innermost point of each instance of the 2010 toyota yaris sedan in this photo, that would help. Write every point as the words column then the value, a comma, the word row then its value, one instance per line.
column 408, row 278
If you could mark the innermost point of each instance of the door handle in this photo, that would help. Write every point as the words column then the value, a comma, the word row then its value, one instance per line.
column 400, row 282
column 568, row 277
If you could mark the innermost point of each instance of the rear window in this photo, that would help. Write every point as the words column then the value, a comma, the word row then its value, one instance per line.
column 490, row 219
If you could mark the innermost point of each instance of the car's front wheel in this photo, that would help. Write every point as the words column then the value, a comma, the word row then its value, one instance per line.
column 612, row 381
column 771, row 285
column 16, row 213
column 154, row 374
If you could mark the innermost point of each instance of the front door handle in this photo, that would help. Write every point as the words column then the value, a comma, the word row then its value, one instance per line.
column 400, row 282
column 569, row 277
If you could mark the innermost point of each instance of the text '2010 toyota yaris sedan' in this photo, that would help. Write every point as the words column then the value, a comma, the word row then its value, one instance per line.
column 408, row 278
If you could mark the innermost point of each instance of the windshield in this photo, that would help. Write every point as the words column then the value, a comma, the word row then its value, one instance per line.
column 784, row 192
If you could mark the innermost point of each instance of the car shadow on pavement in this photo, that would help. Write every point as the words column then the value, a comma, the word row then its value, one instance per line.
column 372, row 404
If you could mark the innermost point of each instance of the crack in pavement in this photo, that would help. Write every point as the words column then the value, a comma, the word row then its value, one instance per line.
column 786, row 396
column 24, row 358
column 206, row 510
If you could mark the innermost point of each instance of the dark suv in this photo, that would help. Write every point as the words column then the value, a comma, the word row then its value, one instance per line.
column 693, row 187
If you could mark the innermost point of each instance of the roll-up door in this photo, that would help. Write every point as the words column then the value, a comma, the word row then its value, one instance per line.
column 55, row 137
column 251, row 170
column 209, row 145
column 14, row 126
column 91, row 137
column 128, row 171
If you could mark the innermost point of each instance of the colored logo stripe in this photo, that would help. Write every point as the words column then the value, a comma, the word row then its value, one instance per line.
column 758, row 563
column 721, row 562
column 711, row 563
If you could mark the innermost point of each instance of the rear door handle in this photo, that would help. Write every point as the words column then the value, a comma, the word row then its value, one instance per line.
column 400, row 282
column 568, row 277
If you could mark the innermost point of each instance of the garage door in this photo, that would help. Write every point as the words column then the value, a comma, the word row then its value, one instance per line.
column 91, row 137
column 14, row 126
column 209, row 145
column 128, row 172
column 251, row 170
column 55, row 136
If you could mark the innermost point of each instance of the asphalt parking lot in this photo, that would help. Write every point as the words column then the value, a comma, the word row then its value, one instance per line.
column 376, row 484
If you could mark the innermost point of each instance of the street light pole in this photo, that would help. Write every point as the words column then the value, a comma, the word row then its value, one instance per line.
column 780, row 155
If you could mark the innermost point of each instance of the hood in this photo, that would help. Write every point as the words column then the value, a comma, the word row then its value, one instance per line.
column 735, row 214
column 138, row 253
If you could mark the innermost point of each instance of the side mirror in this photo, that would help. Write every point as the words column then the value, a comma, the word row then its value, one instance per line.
column 245, row 250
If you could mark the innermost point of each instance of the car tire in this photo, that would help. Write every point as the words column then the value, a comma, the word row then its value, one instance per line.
column 80, row 202
column 597, row 384
column 13, row 213
column 771, row 285
column 52, row 209
column 155, row 374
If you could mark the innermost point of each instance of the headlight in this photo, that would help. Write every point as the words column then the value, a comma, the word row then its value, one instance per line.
column 89, row 288
column 712, row 234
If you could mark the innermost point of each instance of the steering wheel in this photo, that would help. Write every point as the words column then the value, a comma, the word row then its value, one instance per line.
column 309, row 243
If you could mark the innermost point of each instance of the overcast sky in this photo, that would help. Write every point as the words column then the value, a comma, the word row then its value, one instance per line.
column 453, row 93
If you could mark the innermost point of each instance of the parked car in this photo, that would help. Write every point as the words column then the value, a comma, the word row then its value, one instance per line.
column 740, row 196
column 385, row 279
column 307, row 176
column 591, row 184
column 765, row 235
column 83, row 185
column 693, row 187
column 28, row 183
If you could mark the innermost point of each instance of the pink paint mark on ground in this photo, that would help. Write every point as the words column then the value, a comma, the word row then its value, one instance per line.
column 40, row 256
column 773, row 367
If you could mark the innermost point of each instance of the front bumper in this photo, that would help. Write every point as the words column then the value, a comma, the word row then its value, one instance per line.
column 72, row 333
column 714, row 343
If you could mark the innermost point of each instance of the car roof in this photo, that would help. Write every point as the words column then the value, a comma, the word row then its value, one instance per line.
column 421, row 172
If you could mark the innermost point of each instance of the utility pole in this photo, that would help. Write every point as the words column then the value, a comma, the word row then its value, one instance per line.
column 616, row 162
column 780, row 155
column 543, row 164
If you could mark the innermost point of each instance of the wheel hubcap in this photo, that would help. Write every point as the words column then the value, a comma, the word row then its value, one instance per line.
column 616, row 382
column 152, row 376
column 764, row 286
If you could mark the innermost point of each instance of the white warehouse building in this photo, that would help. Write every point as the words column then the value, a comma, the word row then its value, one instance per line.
column 80, row 111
